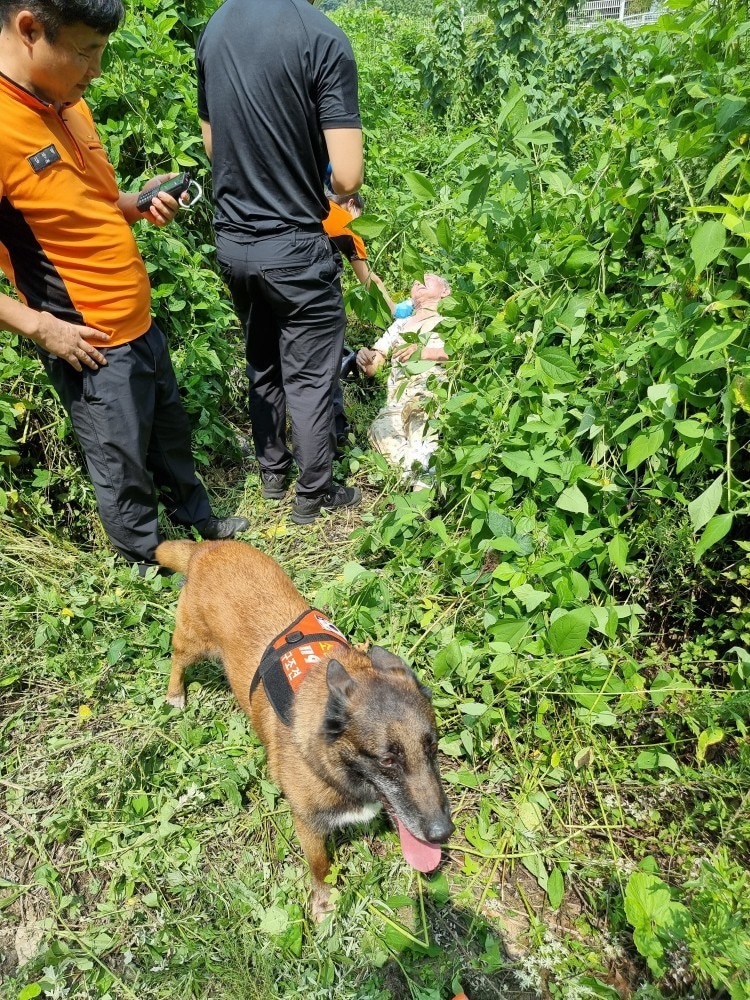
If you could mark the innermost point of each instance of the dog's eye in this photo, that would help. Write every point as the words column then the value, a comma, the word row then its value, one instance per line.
column 389, row 760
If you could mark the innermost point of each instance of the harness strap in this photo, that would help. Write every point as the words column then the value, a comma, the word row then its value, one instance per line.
column 290, row 655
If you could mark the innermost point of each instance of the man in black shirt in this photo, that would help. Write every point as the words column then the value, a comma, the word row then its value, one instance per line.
column 277, row 98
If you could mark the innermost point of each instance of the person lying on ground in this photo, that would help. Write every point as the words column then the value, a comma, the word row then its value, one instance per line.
column 401, row 430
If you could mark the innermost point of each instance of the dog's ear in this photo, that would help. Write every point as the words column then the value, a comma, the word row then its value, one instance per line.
column 340, row 684
column 340, row 687
column 383, row 659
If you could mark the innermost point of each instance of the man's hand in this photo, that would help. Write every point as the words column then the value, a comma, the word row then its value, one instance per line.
column 70, row 342
column 162, row 209
column 368, row 361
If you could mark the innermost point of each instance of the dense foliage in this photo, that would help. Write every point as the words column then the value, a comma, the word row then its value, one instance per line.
column 574, row 588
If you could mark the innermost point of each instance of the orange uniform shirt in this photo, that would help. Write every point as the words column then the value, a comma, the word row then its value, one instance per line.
column 64, row 243
column 348, row 243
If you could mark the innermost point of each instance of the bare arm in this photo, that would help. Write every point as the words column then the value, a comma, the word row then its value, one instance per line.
column 403, row 354
column 208, row 144
column 347, row 160
column 66, row 340
column 366, row 275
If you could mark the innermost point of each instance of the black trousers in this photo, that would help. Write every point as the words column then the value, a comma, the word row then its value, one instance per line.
column 135, row 436
column 286, row 290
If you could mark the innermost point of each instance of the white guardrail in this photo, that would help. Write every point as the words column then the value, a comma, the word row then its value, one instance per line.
column 630, row 12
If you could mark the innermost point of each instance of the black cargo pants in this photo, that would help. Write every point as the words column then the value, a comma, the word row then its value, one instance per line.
column 286, row 290
column 135, row 437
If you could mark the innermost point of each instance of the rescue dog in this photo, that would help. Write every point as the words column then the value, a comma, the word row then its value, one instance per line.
column 355, row 732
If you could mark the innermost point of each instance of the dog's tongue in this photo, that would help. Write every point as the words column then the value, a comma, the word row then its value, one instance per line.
column 420, row 855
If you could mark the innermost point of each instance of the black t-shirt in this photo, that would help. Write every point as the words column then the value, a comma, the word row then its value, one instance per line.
column 272, row 74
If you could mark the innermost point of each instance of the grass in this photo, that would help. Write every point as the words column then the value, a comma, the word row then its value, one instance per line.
column 144, row 853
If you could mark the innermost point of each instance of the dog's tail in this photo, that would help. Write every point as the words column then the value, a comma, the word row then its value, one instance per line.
column 176, row 555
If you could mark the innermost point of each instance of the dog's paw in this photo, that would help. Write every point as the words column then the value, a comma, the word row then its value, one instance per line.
column 176, row 700
column 321, row 904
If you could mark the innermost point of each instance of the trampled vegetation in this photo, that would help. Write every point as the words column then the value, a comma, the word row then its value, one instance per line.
column 574, row 589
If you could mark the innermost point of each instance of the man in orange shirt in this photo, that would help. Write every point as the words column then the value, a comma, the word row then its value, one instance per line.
column 344, row 210
column 67, row 247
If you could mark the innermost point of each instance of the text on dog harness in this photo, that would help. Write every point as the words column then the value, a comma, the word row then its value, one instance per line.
column 302, row 645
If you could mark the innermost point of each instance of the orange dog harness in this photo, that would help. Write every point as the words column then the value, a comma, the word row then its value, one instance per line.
column 291, row 654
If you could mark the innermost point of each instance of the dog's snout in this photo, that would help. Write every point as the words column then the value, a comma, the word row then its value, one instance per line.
column 439, row 829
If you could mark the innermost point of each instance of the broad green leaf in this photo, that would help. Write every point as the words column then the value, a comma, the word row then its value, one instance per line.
column 513, row 107
column 555, row 888
column 716, row 529
column 707, row 243
column 708, row 738
column 419, row 185
column 520, row 463
column 618, row 552
column 30, row 991
column 558, row 181
column 580, row 261
column 510, row 630
column 691, row 429
column 412, row 262
column 642, row 447
column 530, row 597
column 274, row 921
column 367, row 226
column 472, row 708
column 653, row 760
column 703, row 508
column 467, row 779
column 352, row 571
column 428, row 231
column 116, row 650
column 557, row 364
column 529, row 815
column 290, row 940
column 716, row 339
column 534, row 136
column 732, row 113
column 500, row 525
column 687, row 456
column 647, row 899
column 533, row 863
column 444, row 235
column 568, row 633
column 462, row 147
column 574, row 500
column 656, row 919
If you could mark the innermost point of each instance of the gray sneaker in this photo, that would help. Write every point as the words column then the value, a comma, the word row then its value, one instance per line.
column 273, row 485
column 306, row 509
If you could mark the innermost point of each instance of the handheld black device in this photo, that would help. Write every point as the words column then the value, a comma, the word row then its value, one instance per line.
column 174, row 186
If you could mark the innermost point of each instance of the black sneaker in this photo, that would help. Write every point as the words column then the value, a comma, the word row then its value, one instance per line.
column 273, row 485
column 217, row 529
column 306, row 509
